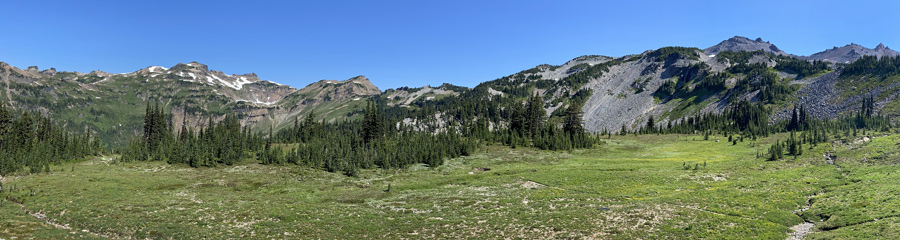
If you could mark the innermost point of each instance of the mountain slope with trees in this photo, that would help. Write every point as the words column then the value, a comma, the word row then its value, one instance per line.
column 614, row 93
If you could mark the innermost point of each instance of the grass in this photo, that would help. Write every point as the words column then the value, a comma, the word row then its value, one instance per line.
column 629, row 187
column 864, row 85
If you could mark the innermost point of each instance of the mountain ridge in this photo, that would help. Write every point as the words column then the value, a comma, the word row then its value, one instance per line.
column 615, row 92
column 852, row 52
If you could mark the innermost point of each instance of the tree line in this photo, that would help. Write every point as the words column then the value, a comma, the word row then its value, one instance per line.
column 32, row 142
column 225, row 142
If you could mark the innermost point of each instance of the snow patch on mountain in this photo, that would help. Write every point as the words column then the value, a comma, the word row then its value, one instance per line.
column 157, row 68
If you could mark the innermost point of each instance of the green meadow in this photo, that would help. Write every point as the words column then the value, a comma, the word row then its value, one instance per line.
column 627, row 187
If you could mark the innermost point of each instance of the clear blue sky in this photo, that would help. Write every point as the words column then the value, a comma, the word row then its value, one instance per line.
column 411, row 43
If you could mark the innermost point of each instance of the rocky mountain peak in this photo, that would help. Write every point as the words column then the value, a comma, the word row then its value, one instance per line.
column 353, row 87
column 739, row 43
column 191, row 65
column 851, row 52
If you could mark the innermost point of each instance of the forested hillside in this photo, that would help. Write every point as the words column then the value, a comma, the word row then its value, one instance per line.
column 739, row 88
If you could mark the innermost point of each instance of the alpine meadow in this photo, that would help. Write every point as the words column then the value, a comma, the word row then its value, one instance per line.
column 738, row 140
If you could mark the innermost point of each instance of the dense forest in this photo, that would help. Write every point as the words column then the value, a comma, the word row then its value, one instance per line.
column 32, row 142
column 216, row 143
column 347, row 146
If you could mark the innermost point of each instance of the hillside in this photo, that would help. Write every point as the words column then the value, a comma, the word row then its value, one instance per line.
column 676, row 82
column 113, row 104
column 669, row 84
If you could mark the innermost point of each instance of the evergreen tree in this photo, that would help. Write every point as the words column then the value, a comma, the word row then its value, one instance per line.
column 373, row 123
column 573, row 120
column 535, row 115
column 795, row 121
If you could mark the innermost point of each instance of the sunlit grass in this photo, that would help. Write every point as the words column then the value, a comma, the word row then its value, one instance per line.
column 669, row 186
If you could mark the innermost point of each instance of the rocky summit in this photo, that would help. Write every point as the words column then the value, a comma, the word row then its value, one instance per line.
column 738, row 43
column 851, row 52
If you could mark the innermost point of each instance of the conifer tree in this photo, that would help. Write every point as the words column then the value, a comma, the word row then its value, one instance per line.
column 573, row 122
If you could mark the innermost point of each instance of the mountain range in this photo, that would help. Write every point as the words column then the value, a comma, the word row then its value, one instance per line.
column 614, row 92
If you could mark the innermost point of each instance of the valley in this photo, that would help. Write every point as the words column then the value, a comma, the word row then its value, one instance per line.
column 738, row 139
column 646, row 186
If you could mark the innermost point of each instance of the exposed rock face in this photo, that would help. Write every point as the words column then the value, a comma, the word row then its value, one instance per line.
column 340, row 90
column 851, row 52
column 405, row 96
column 192, row 92
column 615, row 101
column 244, row 88
column 738, row 43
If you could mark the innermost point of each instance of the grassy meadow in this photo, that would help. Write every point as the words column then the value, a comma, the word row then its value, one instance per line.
column 628, row 187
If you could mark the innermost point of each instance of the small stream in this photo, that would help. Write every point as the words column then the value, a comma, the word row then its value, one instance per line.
column 803, row 228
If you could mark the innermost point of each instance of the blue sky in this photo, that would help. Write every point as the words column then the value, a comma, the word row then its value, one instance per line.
column 411, row 43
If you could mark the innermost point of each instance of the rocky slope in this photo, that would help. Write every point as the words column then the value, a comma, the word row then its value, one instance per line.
column 406, row 96
column 851, row 52
column 622, row 94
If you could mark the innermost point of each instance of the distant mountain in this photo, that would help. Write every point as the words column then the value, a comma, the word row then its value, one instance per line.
column 851, row 52
column 113, row 104
column 671, row 84
column 738, row 43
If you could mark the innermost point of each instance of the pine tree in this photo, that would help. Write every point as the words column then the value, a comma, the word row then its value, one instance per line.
column 803, row 118
column 795, row 120
column 372, row 126
column 535, row 115
column 573, row 120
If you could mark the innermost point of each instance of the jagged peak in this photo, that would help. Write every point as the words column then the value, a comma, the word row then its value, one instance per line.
column 740, row 43
column 851, row 52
